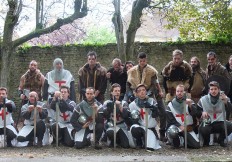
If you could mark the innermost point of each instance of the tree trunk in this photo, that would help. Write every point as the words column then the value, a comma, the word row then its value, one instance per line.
column 118, row 24
column 8, row 46
column 135, row 23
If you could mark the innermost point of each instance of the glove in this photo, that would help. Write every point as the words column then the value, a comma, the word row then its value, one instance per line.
column 131, row 98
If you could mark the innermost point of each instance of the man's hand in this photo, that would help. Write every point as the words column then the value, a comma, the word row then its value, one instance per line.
column 181, row 128
column 86, row 125
column 39, row 108
column 161, row 94
column 23, row 97
column 189, row 102
column 31, row 108
column 205, row 115
column 58, row 95
column 224, row 98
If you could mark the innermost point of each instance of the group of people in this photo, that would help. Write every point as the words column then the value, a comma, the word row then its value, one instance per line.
column 196, row 102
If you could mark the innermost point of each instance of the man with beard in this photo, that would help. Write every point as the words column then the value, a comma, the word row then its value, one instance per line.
column 122, row 115
column 92, row 74
column 33, row 111
column 211, row 109
column 175, row 120
column 32, row 80
column 11, row 132
column 145, row 74
column 144, row 137
column 116, row 74
column 176, row 72
column 66, row 107
column 82, row 120
column 198, row 79
column 54, row 80
column 214, row 67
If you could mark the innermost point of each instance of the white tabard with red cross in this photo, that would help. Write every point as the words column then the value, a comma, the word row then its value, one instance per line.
column 180, row 116
column 54, row 85
column 151, row 121
column 2, row 118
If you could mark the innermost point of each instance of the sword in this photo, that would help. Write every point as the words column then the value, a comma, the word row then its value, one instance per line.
column 57, row 125
column 185, row 123
column 225, row 126
column 115, row 122
column 94, row 130
column 35, row 116
column 4, row 114
column 146, row 127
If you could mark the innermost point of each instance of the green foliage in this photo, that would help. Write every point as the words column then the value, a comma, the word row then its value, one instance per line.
column 98, row 37
column 24, row 48
column 45, row 46
column 201, row 20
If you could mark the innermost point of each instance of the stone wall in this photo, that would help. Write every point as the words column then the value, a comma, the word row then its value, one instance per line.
column 159, row 54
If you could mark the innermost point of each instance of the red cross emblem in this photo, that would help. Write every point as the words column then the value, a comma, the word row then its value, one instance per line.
column 142, row 112
column 214, row 116
column 2, row 114
column 181, row 116
column 64, row 116
column 60, row 82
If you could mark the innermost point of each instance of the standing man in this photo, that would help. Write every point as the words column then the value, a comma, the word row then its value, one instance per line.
column 66, row 107
column 211, row 108
column 54, row 80
column 11, row 132
column 122, row 115
column 138, row 129
column 92, row 74
column 214, row 67
column 116, row 74
column 146, row 74
column 32, row 80
column 176, row 72
column 175, row 120
column 198, row 79
column 28, row 113
column 82, row 120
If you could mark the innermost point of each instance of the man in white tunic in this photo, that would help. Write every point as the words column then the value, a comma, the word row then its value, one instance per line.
column 83, row 120
column 11, row 132
column 66, row 107
column 175, row 120
column 28, row 113
column 142, row 104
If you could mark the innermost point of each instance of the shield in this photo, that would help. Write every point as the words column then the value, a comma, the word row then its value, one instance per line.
column 223, row 82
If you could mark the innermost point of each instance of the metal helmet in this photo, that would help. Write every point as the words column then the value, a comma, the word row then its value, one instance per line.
column 135, row 114
column 172, row 131
column 82, row 119
column 109, row 124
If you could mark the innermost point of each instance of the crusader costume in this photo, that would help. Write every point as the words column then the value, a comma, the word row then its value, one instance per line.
column 64, row 126
column 95, row 78
column 214, row 106
column 174, row 75
column 175, row 119
column 138, row 130
column 53, row 81
column 11, row 132
column 26, row 133
column 121, row 127
column 82, row 114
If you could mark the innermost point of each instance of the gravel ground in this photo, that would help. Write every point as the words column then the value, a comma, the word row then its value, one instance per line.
column 166, row 153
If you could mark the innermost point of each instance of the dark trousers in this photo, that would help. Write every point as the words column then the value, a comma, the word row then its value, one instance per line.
column 63, row 135
column 40, row 130
column 121, row 138
column 86, row 141
column 162, row 116
column 191, row 142
column 215, row 127
column 9, row 135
